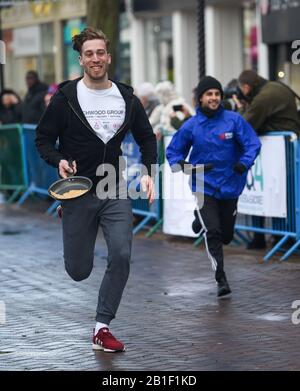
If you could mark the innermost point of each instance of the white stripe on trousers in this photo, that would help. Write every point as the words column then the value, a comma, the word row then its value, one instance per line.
column 204, row 230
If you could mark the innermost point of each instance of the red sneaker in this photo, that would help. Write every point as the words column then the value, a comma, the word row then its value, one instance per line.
column 104, row 340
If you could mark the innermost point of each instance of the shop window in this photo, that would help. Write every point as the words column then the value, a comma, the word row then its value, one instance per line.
column 72, row 68
column 46, row 59
column 158, row 49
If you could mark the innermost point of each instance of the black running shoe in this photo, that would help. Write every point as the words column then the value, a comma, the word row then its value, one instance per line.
column 223, row 287
column 196, row 225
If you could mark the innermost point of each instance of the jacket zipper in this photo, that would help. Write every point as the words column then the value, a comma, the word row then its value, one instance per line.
column 86, row 125
column 89, row 128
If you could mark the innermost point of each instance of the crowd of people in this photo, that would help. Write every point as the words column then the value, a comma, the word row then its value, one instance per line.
column 29, row 110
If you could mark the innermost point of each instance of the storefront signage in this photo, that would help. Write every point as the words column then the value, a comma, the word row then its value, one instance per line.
column 280, row 21
column 27, row 41
column 280, row 5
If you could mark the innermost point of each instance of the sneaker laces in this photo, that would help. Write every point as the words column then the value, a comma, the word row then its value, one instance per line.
column 107, row 333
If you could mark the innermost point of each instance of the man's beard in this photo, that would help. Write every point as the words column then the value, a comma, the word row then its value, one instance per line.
column 206, row 110
column 101, row 77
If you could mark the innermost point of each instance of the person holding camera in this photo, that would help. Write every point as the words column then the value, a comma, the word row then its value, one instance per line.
column 232, row 92
column 227, row 145
column 272, row 106
column 171, row 105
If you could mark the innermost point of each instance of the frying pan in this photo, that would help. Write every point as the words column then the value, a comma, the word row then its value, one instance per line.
column 65, row 185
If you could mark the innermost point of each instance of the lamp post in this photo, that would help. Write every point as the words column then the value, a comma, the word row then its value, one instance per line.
column 201, row 38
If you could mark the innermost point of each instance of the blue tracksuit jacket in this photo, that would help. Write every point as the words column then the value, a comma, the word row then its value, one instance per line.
column 223, row 140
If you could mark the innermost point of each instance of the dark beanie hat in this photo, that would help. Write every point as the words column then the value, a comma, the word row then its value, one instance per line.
column 207, row 83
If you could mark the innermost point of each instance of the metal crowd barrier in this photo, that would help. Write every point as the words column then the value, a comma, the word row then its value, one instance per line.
column 13, row 167
column 21, row 168
column 140, row 207
column 288, row 227
column 40, row 174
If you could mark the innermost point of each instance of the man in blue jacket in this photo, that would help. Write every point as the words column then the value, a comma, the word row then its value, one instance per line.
column 223, row 140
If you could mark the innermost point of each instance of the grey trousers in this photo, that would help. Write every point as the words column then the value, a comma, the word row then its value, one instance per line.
column 81, row 219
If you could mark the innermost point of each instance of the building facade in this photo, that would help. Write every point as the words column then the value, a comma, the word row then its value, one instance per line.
column 159, row 40
column 38, row 36
column 281, row 33
column 165, row 41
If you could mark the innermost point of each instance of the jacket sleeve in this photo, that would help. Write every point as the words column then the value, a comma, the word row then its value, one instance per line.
column 248, row 141
column 180, row 145
column 48, row 130
column 144, row 137
column 258, row 112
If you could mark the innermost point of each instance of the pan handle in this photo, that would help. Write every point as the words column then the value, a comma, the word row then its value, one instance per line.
column 70, row 162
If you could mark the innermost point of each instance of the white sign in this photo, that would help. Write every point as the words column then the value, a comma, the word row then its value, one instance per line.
column 265, row 191
column 2, row 52
column 178, row 209
column 27, row 41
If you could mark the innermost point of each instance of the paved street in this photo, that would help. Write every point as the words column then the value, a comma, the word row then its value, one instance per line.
column 169, row 317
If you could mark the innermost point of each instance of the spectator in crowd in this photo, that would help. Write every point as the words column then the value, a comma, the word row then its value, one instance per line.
column 10, row 107
column 231, row 92
column 272, row 107
column 177, row 120
column 146, row 94
column 33, row 105
column 161, row 116
column 224, row 141
column 50, row 92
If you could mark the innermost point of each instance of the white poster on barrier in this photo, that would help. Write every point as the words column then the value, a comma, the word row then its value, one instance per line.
column 179, row 202
column 265, row 191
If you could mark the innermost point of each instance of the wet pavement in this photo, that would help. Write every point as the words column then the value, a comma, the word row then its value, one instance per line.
column 169, row 317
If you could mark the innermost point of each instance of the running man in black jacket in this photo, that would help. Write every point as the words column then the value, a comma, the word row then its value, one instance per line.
column 90, row 116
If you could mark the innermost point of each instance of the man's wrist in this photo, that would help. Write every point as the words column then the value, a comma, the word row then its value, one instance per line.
column 240, row 168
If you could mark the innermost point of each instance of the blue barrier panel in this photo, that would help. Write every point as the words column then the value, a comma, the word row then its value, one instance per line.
column 40, row 174
column 296, row 204
column 13, row 172
column 140, row 207
column 288, row 227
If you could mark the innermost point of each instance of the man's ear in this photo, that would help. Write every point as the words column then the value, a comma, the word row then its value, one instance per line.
column 109, row 58
column 80, row 60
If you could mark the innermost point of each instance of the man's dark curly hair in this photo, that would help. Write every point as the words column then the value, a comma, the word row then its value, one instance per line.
column 86, row 35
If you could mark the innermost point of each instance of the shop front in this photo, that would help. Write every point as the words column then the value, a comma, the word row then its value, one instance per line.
column 280, row 31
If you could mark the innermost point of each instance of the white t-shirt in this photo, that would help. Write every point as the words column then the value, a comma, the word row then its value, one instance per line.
column 104, row 109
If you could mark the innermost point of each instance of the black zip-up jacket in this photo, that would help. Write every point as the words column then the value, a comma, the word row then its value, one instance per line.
column 65, row 121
